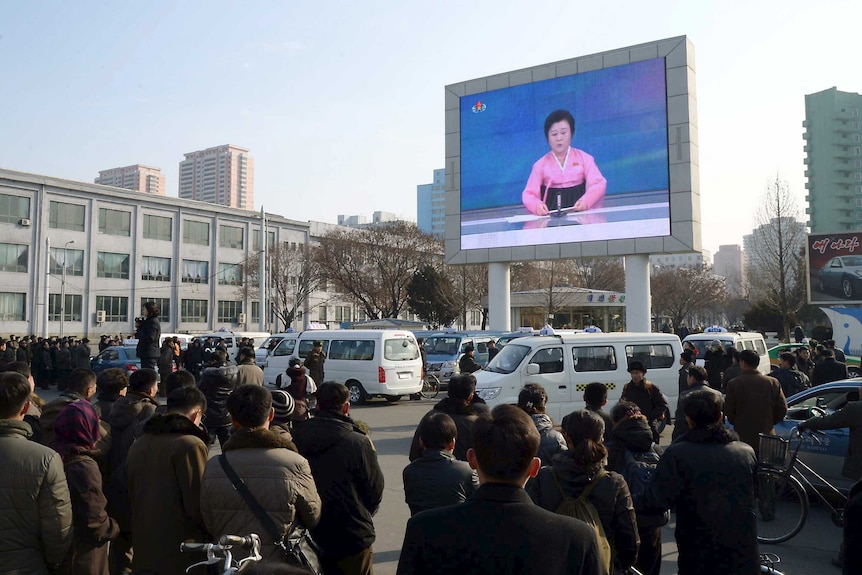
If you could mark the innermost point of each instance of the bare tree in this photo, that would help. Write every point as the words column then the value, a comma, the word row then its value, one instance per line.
column 374, row 265
column 774, row 253
column 682, row 292
column 470, row 284
column 548, row 277
column 599, row 273
column 293, row 275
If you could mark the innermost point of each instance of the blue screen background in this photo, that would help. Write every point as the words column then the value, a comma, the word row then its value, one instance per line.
column 620, row 119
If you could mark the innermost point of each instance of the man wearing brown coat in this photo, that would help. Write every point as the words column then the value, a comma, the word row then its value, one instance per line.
column 754, row 402
column 164, row 468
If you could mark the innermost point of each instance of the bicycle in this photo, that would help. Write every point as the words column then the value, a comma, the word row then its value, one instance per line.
column 782, row 504
column 216, row 552
column 430, row 386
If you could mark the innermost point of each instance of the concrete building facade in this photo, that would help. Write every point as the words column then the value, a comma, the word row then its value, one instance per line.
column 139, row 178
column 431, row 205
column 221, row 175
column 692, row 259
column 730, row 263
column 833, row 161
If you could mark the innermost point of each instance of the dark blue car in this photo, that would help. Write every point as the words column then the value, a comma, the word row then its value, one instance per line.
column 122, row 356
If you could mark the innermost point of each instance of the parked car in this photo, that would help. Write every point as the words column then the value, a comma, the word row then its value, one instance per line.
column 827, row 456
column 854, row 363
column 842, row 275
column 122, row 356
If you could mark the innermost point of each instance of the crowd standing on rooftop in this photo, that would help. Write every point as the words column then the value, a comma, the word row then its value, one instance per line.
column 108, row 479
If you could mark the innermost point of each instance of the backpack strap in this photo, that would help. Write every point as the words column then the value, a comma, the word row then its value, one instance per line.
column 256, row 508
column 589, row 489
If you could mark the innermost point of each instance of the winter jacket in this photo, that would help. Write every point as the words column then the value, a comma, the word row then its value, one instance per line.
column 606, row 417
column 53, row 408
column 731, row 372
column 647, row 397
column 35, row 506
column 278, row 477
column 714, row 365
column 849, row 416
column 709, row 477
column 148, row 334
column 64, row 359
column 792, row 380
column 828, row 370
column 249, row 372
column 437, row 479
column 551, row 441
column 349, row 480
column 166, row 465
column 217, row 394
column 463, row 415
column 754, row 404
column 81, row 357
column 680, row 424
column 633, row 434
column 610, row 497
column 93, row 527
column 468, row 364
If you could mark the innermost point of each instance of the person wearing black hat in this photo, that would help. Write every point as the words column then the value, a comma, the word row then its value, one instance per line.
column 647, row 396
column 686, row 360
column 468, row 363
column 314, row 361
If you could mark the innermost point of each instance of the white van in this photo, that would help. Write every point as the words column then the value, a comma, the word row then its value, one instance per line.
column 231, row 340
column 565, row 363
column 370, row 362
column 739, row 339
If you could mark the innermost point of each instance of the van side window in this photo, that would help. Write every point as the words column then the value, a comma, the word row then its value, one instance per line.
column 739, row 346
column 482, row 347
column 759, row 347
column 357, row 350
column 652, row 356
column 748, row 344
column 549, row 360
column 595, row 358
column 285, row 347
column 306, row 345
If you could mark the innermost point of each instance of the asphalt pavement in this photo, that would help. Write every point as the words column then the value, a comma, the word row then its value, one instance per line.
column 392, row 426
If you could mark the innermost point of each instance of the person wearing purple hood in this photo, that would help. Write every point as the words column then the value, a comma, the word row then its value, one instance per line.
column 76, row 432
column 301, row 386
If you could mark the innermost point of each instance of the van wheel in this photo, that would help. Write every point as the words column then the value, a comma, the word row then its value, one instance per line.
column 392, row 398
column 357, row 394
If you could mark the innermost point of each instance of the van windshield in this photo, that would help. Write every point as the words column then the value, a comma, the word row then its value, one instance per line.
column 509, row 358
column 401, row 349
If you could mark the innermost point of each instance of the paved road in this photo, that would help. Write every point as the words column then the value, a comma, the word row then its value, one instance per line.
column 392, row 426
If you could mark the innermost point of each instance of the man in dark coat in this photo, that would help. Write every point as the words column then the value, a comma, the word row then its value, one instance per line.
column 646, row 395
column 791, row 379
column 166, row 465
column 803, row 361
column 149, row 333
column 314, row 362
column 714, row 362
column 754, row 402
column 708, row 475
column 81, row 357
column 468, row 363
column 696, row 381
column 828, row 369
column 349, row 481
column 499, row 529
column 458, row 406
column 686, row 360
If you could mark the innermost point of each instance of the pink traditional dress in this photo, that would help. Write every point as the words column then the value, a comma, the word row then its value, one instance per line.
column 561, row 185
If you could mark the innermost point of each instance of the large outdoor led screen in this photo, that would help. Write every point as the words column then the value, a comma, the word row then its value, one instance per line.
column 834, row 268
column 594, row 156
column 528, row 178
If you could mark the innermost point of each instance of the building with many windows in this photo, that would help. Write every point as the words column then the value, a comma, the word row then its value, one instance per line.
column 431, row 205
column 221, row 175
column 730, row 263
column 139, row 178
column 692, row 259
column 833, row 161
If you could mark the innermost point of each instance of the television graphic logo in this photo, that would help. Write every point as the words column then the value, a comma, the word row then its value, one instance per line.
column 479, row 106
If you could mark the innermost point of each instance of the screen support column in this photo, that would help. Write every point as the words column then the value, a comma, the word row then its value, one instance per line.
column 638, row 299
column 499, row 299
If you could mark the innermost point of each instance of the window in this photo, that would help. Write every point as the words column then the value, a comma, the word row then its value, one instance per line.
column 14, row 257
column 14, row 208
column 858, row 177
column 285, row 347
column 229, row 274
column 196, row 272
column 230, row 237
column 475, row 317
column 158, row 228
column 358, row 350
column 652, row 356
column 857, row 150
column 401, row 349
column 110, row 265
column 321, row 313
column 115, row 222
column 255, row 240
column 71, row 311
column 255, row 312
column 595, row 358
column 116, row 308
column 74, row 261
column 306, row 345
column 64, row 216
column 193, row 310
column 549, row 360
column 196, row 232
column 156, row 269
column 855, row 138
column 343, row 313
column 12, row 306
column 164, row 305
column 228, row 311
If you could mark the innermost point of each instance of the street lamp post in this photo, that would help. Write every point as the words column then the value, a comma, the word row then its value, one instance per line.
column 63, row 288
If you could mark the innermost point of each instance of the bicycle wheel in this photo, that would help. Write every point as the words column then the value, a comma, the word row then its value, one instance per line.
column 781, row 506
column 430, row 386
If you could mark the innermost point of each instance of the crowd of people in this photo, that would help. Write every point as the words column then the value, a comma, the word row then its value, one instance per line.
column 108, row 479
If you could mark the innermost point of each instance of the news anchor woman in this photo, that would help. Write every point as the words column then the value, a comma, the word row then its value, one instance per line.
column 565, row 178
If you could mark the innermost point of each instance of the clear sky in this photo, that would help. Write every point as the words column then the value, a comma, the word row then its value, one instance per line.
column 341, row 103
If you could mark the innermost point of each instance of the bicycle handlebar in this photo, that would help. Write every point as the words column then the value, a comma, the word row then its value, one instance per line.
column 195, row 546
column 247, row 542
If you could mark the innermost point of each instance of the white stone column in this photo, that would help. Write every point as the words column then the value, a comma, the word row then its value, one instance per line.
column 638, row 298
column 499, row 299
